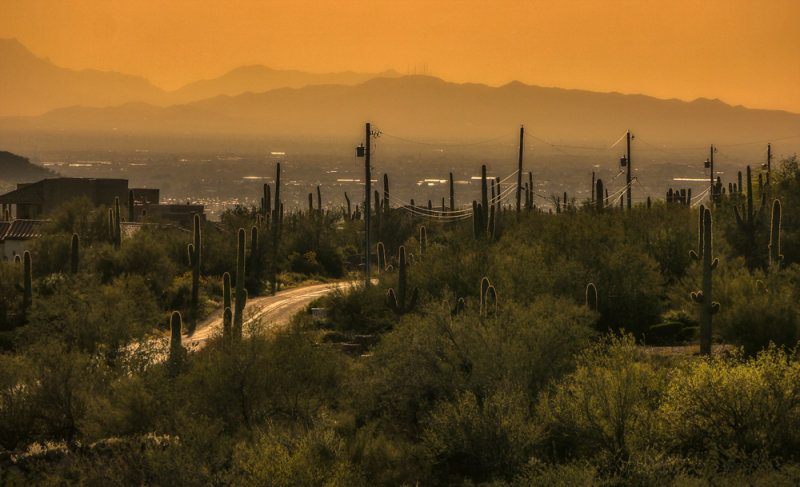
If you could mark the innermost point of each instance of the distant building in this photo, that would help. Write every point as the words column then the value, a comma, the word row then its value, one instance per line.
column 15, row 236
column 34, row 200
column 40, row 199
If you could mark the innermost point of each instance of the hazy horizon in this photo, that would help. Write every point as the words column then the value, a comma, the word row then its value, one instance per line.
column 738, row 52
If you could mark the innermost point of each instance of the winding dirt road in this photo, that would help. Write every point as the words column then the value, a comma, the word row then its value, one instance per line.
column 271, row 310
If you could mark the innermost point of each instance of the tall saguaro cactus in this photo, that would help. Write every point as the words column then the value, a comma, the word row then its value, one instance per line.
column 74, row 254
column 27, row 283
column 599, row 193
column 591, row 296
column 176, row 350
column 775, row 257
column 704, row 296
column 397, row 301
column 749, row 221
column 241, row 293
column 452, row 194
column 195, row 251
column 131, row 206
column 227, row 317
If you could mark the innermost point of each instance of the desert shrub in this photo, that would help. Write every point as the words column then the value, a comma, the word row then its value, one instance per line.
column 605, row 409
column 757, row 308
column 428, row 359
column 750, row 405
column 317, row 456
column 479, row 440
column 359, row 309
column 92, row 317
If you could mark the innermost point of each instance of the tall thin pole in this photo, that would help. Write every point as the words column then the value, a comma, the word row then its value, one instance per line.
column 628, row 156
column 769, row 161
column 711, row 173
column 367, row 204
column 519, row 168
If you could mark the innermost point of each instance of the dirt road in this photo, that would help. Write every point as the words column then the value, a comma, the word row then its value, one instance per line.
column 271, row 310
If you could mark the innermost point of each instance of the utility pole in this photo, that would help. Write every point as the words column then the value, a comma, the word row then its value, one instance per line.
column 628, row 156
column 367, row 204
column 711, row 173
column 519, row 167
column 769, row 159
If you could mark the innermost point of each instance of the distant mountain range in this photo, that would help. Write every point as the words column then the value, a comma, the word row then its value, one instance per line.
column 431, row 109
column 32, row 86
column 258, row 101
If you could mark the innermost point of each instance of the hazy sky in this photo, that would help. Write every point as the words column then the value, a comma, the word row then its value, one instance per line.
column 741, row 51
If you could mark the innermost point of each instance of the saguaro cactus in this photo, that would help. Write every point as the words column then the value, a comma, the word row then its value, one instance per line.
column 591, row 296
column 749, row 221
column 423, row 241
column 27, row 283
column 698, row 255
column 117, row 227
column 386, row 192
column 381, row 251
column 397, row 301
column 195, row 251
column 775, row 257
column 74, row 254
column 349, row 212
column 176, row 350
column 704, row 296
column 599, row 192
column 241, row 293
column 227, row 316
column 131, row 209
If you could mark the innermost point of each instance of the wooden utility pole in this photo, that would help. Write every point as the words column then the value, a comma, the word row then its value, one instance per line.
column 519, row 168
column 769, row 161
column 711, row 173
column 367, row 204
column 628, row 156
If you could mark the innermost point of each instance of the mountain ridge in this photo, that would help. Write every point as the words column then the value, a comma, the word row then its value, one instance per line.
column 423, row 106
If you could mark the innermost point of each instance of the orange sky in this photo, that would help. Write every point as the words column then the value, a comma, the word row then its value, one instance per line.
column 741, row 51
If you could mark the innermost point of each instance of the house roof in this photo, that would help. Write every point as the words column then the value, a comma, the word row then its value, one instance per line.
column 4, row 226
column 23, row 230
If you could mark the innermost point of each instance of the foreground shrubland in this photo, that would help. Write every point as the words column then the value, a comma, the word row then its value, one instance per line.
column 526, row 384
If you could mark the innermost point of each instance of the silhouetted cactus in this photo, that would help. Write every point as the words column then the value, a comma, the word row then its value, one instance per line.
column 319, row 200
column 599, row 192
column 704, row 296
column 591, row 296
column 775, row 257
column 698, row 255
column 349, row 212
column 241, row 293
column 749, row 221
column 266, row 204
column 227, row 315
column 117, row 225
column 489, row 301
column 397, row 302
column 131, row 208
column 176, row 350
column 74, row 254
column 381, row 251
column 195, row 251
column 423, row 241
column 386, row 205
column 484, row 286
column 27, row 283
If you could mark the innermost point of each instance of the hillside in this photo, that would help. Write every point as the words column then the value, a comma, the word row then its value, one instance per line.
column 427, row 107
column 32, row 85
column 17, row 169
